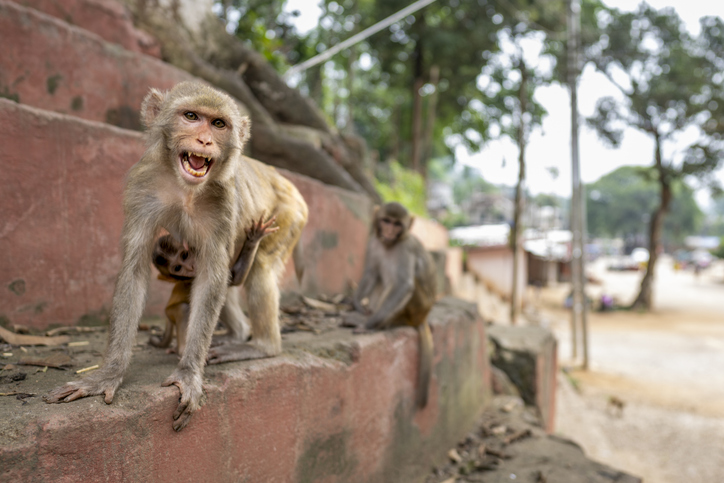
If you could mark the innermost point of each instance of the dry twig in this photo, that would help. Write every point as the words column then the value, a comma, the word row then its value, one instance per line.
column 19, row 339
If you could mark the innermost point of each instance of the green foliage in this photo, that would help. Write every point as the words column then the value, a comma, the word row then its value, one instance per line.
column 454, row 219
column 264, row 25
column 719, row 251
column 544, row 199
column 404, row 186
column 470, row 181
column 669, row 81
column 621, row 202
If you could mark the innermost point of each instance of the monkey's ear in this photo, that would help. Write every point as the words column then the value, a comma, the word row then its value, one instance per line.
column 375, row 212
column 151, row 106
column 409, row 225
column 244, row 130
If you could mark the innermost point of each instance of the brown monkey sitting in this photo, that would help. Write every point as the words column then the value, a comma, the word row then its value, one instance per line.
column 400, row 283
column 194, row 182
column 175, row 263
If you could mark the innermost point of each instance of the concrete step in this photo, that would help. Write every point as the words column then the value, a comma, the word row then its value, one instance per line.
column 529, row 357
column 50, row 64
column 62, row 219
column 331, row 408
column 108, row 19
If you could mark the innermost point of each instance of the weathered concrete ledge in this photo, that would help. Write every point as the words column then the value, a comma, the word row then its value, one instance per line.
column 108, row 19
column 332, row 408
column 528, row 356
column 66, row 69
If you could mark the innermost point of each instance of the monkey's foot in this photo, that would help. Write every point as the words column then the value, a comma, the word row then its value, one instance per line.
column 192, row 396
column 235, row 352
column 158, row 341
column 93, row 385
column 353, row 319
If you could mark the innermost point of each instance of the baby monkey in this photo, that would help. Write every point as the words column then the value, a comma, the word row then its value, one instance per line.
column 400, row 283
column 175, row 263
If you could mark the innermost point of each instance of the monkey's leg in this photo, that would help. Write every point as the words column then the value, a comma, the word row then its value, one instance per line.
column 233, row 319
column 129, row 298
column 165, row 340
column 425, row 366
column 207, row 298
column 365, row 288
column 183, row 311
column 262, row 295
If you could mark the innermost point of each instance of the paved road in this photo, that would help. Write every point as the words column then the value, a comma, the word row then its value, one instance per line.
column 668, row 368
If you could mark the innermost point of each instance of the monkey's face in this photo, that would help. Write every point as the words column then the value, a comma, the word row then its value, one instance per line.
column 389, row 229
column 200, row 127
column 173, row 260
column 203, row 139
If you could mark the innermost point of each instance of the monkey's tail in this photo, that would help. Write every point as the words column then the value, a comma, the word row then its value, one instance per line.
column 298, row 258
column 425, row 371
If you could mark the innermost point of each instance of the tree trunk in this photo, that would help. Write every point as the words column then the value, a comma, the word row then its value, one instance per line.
column 518, row 207
column 644, row 300
column 349, row 125
column 315, row 79
column 396, row 137
column 416, row 124
column 430, row 120
column 417, row 84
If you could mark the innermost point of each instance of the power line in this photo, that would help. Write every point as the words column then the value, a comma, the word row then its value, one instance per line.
column 319, row 58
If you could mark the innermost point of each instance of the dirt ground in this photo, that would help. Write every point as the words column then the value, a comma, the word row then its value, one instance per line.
column 652, row 402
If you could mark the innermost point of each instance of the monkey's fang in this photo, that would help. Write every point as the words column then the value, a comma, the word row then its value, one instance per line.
column 195, row 164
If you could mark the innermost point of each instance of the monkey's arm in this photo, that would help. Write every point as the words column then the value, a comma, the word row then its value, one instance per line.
column 366, row 284
column 126, row 309
column 398, row 295
column 207, row 298
column 240, row 269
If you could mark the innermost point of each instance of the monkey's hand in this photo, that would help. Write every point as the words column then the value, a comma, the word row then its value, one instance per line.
column 360, row 307
column 192, row 396
column 261, row 229
column 373, row 323
column 237, row 352
column 353, row 319
column 100, row 382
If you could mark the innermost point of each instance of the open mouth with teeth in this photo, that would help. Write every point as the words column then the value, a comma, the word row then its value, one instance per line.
column 195, row 164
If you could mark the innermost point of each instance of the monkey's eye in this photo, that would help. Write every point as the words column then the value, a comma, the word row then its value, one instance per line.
column 184, row 255
column 218, row 123
column 191, row 116
column 177, row 268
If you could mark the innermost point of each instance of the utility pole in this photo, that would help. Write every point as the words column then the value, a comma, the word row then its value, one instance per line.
column 578, row 211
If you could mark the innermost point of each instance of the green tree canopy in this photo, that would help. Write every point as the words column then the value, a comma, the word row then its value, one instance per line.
column 620, row 203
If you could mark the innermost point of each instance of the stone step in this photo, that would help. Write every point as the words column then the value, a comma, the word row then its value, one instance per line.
column 331, row 408
column 528, row 355
column 62, row 68
column 62, row 219
column 108, row 19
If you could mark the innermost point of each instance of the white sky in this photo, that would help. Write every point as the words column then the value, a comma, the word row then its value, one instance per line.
column 550, row 146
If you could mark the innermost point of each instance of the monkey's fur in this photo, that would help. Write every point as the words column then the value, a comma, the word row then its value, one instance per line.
column 400, row 282
column 175, row 263
column 194, row 181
